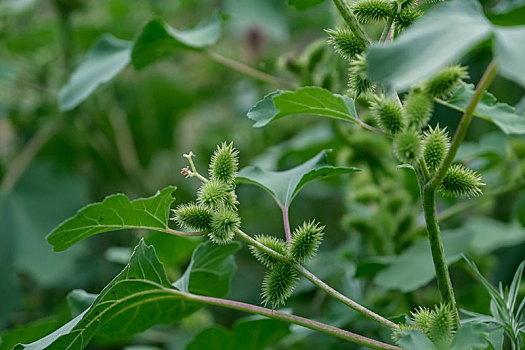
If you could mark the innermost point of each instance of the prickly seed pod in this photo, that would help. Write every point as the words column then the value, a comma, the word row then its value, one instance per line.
column 305, row 241
column 278, row 284
column 461, row 182
column 223, row 225
column 345, row 43
column 435, row 147
column 406, row 18
column 446, row 82
column 271, row 242
column 215, row 193
column 358, row 81
column 441, row 326
column 417, row 109
column 388, row 114
column 224, row 163
column 421, row 319
column 193, row 216
column 367, row 11
column 407, row 147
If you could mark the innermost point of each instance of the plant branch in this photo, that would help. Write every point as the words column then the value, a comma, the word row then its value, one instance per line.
column 386, row 30
column 350, row 19
column 20, row 163
column 436, row 247
column 318, row 282
column 281, row 316
column 461, row 131
column 249, row 71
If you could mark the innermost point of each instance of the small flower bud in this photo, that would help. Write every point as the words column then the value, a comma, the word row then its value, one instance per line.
column 446, row 82
column 223, row 225
column 367, row 11
column 417, row 109
column 407, row 147
column 388, row 114
column 271, row 242
column 435, row 145
column 278, row 284
column 461, row 182
column 345, row 43
column 193, row 216
column 305, row 241
column 224, row 163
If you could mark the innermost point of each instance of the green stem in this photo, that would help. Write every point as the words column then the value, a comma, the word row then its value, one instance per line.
column 350, row 19
column 386, row 30
column 461, row 131
column 318, row 282
column 281, row 316
column 249, row 71
column 436, row 247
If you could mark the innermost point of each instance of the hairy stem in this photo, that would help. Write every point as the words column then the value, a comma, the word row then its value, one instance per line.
column 318, row 282
column 438, row 253
column 249, row 71
column 386, row 29
column 461, row 131
column 347, row 14
column 281, row 316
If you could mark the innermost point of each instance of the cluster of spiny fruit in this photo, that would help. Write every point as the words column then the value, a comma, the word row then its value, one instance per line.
column 404, row 121
column 215, row 212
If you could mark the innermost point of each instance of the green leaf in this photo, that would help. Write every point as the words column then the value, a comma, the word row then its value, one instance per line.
column 158, row 40
column 510, row 52
column 108, row 57
column 488, row 108
column 469, row 337
column 305, row 100
column 415, row 340
column 430, row 44
column 116, row 212
column 210, row 270
column 79, row 300
column 27, row 333
column 284, row 185
column 508, row 13
column 302, row 5
column 140, row 296
column 247, row 334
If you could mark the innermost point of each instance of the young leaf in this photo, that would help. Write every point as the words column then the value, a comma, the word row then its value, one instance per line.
column 284, row 185
column 305, row 100
column 108, row 57
column 415, row 340
column 468, row 337
column 116, row 212
column 158, row 40
column 501, row 114
column 411, row 56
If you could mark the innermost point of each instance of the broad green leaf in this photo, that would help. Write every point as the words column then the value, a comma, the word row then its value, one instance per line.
column 488, row 108
column 247, row 334
column 480, row 236
column 27, row 333
column 469, row 337
column 508, row 13
column 116, row 212
column 304, row 4
column 305, row 100
column 158, row 40
column 211, row 265
column 284, row 185
column 510, row 52
column 439, row 38
column 140, row 297
column 415, row 340
column 108, row 57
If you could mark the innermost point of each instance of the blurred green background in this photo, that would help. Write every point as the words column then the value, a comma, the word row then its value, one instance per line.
column 129, row 137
